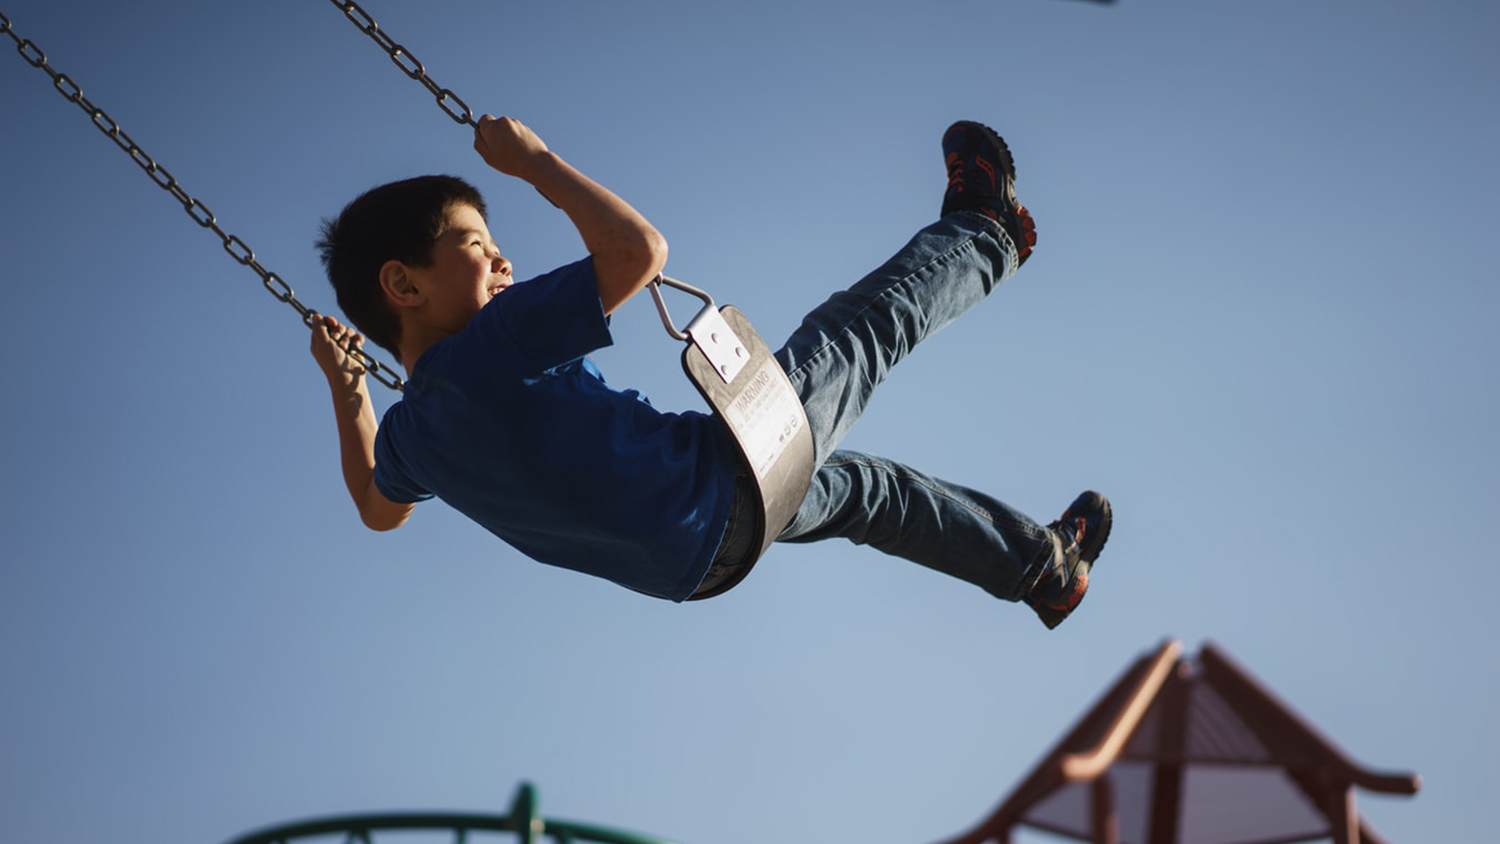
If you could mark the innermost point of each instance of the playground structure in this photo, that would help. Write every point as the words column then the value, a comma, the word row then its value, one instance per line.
column 1177, row 751
column 1191, row 752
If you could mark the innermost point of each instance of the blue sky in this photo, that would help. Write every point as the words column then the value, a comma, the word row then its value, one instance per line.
column 1261, row 318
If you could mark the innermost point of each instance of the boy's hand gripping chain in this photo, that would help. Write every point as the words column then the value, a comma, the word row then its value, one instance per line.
column 236, row 247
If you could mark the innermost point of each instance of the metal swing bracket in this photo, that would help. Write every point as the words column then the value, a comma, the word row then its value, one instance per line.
column 708, row 330
column 736, row 373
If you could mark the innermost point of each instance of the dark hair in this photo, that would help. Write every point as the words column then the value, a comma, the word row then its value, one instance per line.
column 399, row 221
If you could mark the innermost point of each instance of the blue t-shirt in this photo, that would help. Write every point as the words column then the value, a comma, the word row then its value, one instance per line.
column 509, row 424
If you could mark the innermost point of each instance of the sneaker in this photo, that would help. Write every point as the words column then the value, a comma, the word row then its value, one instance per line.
column 982, row 177
column 1077, row 539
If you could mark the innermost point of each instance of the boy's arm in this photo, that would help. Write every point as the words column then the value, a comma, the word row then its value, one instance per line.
column 356, row 422
column 628, row 251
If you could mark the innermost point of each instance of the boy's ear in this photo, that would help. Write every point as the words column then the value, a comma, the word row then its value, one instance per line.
column 399, row 286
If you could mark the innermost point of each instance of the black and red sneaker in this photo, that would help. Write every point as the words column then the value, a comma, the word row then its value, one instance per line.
column 982, row 177
column 1077, row 538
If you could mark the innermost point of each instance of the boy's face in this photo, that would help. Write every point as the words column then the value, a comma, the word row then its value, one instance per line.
column 466, row 272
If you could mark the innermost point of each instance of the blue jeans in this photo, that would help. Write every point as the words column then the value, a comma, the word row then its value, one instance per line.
column 843, row 350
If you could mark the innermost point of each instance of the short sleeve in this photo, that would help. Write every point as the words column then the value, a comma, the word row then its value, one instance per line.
column 391, row 477
column 552, row 319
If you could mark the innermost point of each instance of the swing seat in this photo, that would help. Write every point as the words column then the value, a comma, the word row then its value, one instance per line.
column 736, row 373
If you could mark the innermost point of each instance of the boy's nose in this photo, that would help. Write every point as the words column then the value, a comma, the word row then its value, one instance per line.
column 500, row 265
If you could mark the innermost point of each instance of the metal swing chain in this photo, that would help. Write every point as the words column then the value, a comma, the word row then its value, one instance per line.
column 448, row 101
column 236, row 247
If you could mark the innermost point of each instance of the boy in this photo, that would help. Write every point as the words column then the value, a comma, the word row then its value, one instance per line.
column 505, row 419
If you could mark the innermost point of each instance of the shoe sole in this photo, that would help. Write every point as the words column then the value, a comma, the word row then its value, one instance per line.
column 1090, row 550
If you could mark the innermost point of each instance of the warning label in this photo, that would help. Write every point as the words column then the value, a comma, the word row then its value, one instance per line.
column 766, row 415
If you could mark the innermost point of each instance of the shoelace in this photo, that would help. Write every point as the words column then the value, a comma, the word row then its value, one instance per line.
column 1080, row 526
column 955, row 171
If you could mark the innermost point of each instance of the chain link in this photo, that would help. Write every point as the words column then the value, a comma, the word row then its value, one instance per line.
column 446, row 99
column 237, row 248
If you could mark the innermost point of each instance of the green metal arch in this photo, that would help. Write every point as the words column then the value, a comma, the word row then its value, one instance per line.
column 523, row 821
